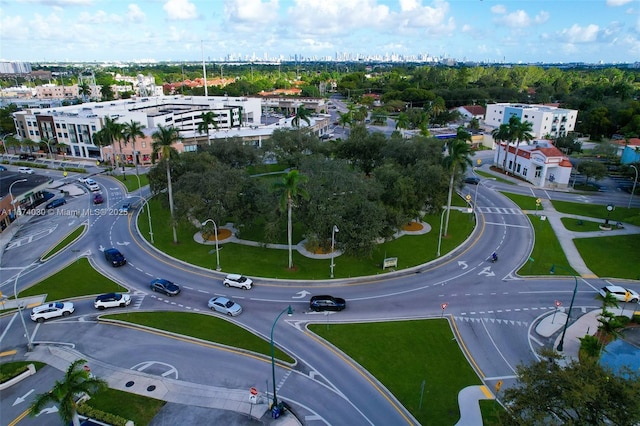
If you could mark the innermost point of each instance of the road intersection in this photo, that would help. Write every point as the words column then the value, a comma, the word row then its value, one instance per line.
column 492, row 311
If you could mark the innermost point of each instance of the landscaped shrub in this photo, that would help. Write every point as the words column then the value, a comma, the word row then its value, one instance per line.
column 93, row 413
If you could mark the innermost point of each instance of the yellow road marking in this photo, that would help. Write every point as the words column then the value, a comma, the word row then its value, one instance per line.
column 486, row 392
column 464, row 348
column 7, row 353
column 20, row 417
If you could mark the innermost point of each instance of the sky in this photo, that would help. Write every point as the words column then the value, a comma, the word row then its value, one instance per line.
column 512, row 31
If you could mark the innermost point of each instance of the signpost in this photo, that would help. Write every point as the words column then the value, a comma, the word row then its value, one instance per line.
column 443, row 306
column 558, row 304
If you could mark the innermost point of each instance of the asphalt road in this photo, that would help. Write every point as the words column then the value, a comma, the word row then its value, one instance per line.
column 492, row 310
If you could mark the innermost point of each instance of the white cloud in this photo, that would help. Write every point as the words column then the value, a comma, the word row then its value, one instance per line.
column 498, row 9
column 578, row 34
column 180, row 10
column 135, row 14
column 99, row 18
column 335, row 16
column 252, row 11
column 431, row 19
column 60, row 2
column 615, row 3
column 517, row 19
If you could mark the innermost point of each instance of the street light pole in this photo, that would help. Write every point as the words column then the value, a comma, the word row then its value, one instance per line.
column 15, row 296
column 333, row 243
column 215, row 230
column 560, row 346
column 11, row 193
column 632, row 191
column 475, row 197
column 289, row 311
column 4, row 144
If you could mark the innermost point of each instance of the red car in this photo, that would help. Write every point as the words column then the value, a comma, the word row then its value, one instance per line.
column 97, row 199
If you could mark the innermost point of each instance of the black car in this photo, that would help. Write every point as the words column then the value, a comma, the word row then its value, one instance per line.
column 327, row 303
column 165, row 286
column 114, row 257
column 55, row 203
column 472, row 180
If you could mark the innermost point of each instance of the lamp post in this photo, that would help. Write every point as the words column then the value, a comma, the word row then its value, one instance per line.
column 440, row 232
column 15, row 296
column 632, row 191
column 46, row 140
column 560, row 346
column 289, row 311
column 333, row 243
column 475, row 197
column 610, row 208
column 215, row 230
column 538, row 202
column 4, row 144
column 11, row 193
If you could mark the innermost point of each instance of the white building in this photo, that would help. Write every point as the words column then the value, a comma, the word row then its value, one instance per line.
column 547, row 121
column 539, row 163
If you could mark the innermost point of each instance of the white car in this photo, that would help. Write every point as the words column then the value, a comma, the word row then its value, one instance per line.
column 237, row 280
column 51, row 310
column 620, row 293
column 92, row 184
column 112, row 300
column 225, row 306
column 27, row 170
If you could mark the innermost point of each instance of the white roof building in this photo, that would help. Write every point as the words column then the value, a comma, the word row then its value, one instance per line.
column 547, row 121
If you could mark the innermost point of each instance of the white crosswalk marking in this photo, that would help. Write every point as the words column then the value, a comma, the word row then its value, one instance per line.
column 500, row 210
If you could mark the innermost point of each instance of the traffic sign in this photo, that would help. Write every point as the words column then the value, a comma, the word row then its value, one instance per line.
column 253, row 391
column 558, row 303
column 444, row 306
column 498, row 385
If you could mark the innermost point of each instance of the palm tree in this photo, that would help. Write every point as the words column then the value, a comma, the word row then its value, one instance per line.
column 208, row 119
column 501, row 134
column 290, row 190
column 76, row 381
column 301, row 114
column 112, row 132
column 163, row 139
column 520, row 131
column 85, row 90
column 344, row 119
column 457, row 160
column 131, row 131
column 402, row 122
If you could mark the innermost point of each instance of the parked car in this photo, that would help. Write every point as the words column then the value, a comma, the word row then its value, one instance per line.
column 114, row 257
column 472, row 180
column 27, row 170
column 620, row 293
column 327, row 303
column 237, row 280
column 112, row 300
column 224, row 306
column 55, row 203
column 165, row 286
column 98, row 199
column 51, row 310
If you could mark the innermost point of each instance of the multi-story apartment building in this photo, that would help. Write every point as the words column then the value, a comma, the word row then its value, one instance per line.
column 75, row 125
column 547, row 121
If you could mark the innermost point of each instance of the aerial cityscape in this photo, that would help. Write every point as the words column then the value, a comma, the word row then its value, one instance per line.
column 481, row 31
column 311, row 213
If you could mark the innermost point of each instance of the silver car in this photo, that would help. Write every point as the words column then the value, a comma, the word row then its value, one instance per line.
column 225, row 306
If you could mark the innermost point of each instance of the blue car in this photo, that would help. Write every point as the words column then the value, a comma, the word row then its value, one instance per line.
column 55, row 203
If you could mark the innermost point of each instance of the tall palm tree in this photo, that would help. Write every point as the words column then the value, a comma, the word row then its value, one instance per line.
column 76, row 381
column 457, row 161
column 402, row 122
column 520, row 131
column 290, row 190
column 85, row 90
column 301, row 114
column 208, row 119
column 501, row 134
column 344, row 119
column 163, row 139
column 112, row 133
column 131, row 131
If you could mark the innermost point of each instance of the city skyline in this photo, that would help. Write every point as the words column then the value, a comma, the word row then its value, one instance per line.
column 590, row 31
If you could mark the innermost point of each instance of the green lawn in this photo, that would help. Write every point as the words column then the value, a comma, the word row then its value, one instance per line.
column 405, row 354
column 205, row 327
column 79, row 279
column 130, row 180
column 411, row 250
column 137, row 408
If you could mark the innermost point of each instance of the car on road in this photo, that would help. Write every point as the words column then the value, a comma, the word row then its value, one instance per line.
column 92, row 185
column 82, row 179
column 114, row 257
column 165, row 286
column 620, row 293
column 112, row 300
column 224, row 306
column 51, row 310
column 27, row 170
column 327, row 303
column 124, row 209
column 55, row 203
column 3, row 169
column 472, row 180
column 98, row 199
column 237, row 280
